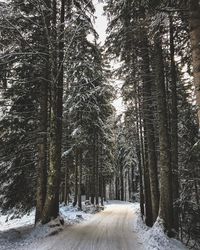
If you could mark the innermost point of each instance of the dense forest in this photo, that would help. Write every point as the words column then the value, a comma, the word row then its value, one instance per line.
column 63, row 141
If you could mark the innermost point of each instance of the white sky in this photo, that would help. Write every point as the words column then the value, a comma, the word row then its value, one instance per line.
column 101, row 21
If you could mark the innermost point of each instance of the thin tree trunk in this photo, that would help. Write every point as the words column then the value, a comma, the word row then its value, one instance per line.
column 139, row 152
column 76, row 180
column 147, row 187
column 121, row 183
column 97, row 173
column 195, row 45
column 144, row 163
column 80, row 180
column 66, row 184
column 174, row 127
column 93, row 190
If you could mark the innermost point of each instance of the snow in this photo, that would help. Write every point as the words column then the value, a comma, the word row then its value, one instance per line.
column 20, row 232
column 119, row 226
column 6, row 221
column 154, row 238
column 72, row 215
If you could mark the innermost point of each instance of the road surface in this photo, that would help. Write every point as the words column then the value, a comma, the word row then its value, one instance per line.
column 110, row 229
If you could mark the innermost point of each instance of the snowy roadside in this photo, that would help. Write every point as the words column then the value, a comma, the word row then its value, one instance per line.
column 70, row 214
column 153, row 238
column 19, row 232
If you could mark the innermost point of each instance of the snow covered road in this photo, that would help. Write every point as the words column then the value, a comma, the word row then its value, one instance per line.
column 111, row 229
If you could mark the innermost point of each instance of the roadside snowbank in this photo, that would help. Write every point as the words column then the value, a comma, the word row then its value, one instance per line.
column 154, row 238
column 6, row 221
column 70, row 214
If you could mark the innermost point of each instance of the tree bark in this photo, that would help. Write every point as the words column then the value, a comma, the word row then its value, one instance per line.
column 80, row 180
column 93, row 190
column 174, row 127
column 195, row 45
column 51, row 208
column 149, row 126
column 166, row 206
column 43, row 118
column 144, row 166
column 76, row 179
column 139, row 151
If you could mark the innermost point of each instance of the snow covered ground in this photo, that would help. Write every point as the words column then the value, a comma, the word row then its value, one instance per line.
column 119, row 226
column 153, row 238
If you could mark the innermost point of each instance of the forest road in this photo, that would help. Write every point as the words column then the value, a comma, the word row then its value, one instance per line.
column 111, row 229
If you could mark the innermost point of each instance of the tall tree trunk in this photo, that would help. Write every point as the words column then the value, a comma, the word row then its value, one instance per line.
column 43, row 118
column 148, row 120
column 121, row 183
column 76, row 179
column 51, row 208
column 93, row 190
column 166, row 206
column 139, row 151
column 144, row 163
column 147, row 187
column 42, row 153
column 66, row 183
column 195, row 44
column 80, row 180
column 97, row 173
column 174, row 127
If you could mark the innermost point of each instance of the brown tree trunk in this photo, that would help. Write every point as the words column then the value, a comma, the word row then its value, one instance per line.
column 43, row 118
column 139, row 150
column 195, row 45
column 144, row 164
column 51, row 208
column 80, row 180
column 174, row 127
column 66, row 183
column 166, row 206
column 76, row 179
column 93, row 190
column 149, row 126
column 97, row 172
column 121, row 183
column 147, row 187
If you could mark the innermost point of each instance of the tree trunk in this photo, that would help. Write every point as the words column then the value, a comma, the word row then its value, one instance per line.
column 51, row 208
column 97, row 173
column 43, row 118
column 76, row 180
column 147, row 187
column 144, row 164
column 139, row 152
column 174, row 127
column 121, row 183
column 149, row 126
column 80, row 180
column 93, row 190
column 195, row 45
column 166, row 207
column 66, row 184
